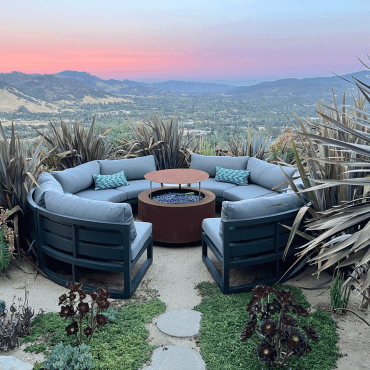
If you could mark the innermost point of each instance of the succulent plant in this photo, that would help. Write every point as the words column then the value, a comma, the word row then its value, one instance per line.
column 18, row 325
column 82, row 314
column 282, row 338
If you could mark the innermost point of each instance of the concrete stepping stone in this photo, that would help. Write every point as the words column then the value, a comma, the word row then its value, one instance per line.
column 12, row 363
column 180, row 323
column 176, row 357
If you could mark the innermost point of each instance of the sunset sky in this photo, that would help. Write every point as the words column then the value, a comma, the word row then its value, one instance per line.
column 204, row 40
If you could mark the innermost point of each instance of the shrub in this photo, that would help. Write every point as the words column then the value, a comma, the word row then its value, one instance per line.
column 165, row 140
column 17, row 172
column 283, row 146
column 256, row 144
column 70, row 358
column 18, row 325
column 74, row 146
column 6, row 240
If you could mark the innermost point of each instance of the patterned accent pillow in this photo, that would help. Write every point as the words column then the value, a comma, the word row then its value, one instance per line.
column 238, row 177
column 110, row 181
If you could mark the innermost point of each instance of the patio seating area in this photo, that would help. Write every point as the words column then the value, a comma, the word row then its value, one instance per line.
column 89, row 225
column 83, row 224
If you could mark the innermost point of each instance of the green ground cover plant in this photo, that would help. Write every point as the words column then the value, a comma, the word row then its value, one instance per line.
column 119, row 345
column 224, row 317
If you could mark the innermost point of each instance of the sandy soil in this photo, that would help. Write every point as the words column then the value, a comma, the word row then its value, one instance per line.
column 172, row 277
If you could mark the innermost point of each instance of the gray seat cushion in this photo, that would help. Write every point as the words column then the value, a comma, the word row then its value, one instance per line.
column 92, row 210
column 107, row 195
column 211, row 227
column 266, row 174
column 47, row 182
column 134, row 168
column 259, row 207
column 217, row 188
column 208, row 163
column 143, row 230
column 136, row 187
column 78, row 178
column 248, row 192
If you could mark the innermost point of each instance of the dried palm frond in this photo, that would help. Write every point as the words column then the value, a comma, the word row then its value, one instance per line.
column 334, row 160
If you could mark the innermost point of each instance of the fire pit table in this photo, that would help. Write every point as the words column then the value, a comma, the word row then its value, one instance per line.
column 176, row 221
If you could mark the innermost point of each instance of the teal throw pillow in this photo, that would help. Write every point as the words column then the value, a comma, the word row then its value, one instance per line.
column 110, row 181
column 238, row 177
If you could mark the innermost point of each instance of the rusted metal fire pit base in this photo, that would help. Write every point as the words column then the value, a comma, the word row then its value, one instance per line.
column 176, row 223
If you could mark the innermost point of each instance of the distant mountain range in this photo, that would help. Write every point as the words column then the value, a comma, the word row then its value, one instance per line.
column 317, row 86
column 48, row 92
column 300, row 87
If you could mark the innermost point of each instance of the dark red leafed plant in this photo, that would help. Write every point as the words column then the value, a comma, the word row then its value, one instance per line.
column 86, row 318
column 282, row 338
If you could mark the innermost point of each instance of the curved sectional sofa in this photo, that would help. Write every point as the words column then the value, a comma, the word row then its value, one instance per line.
column 88, row 228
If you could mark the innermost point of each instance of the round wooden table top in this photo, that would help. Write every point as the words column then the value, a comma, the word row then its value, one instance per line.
column 177, row 176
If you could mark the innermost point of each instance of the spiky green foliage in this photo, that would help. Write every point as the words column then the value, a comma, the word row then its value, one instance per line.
column 334, row 163
column 256, row 145
column 17, row 172
column 4, row 253
column 164, row 139
column 73, row 145
column 338, row 298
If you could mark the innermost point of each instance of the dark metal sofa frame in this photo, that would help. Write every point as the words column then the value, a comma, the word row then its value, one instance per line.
column 249, row 243
column 86, row 244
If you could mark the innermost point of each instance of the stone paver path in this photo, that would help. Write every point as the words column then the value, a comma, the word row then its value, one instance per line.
column 12, row 363
column 176, row 357
column 180, row 323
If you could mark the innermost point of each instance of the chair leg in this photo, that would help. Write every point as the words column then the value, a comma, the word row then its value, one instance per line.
column 149, row 251
column 75, row 274
column 204, row 248
column 225, row 279
column 277, row 269
column 127, row 280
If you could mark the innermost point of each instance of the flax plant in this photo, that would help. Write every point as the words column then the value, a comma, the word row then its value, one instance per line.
column 75, row 146
column 17, row 172
column 254, row 145
column 334, row 164
column 164, row 139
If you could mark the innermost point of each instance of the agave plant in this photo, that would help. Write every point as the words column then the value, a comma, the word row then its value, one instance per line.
column 164, row 139
column 75, row 146
column 255, row 145
column 334, row 163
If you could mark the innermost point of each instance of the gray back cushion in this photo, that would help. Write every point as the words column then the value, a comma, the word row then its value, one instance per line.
column 47, row 182
column 134, row 168
column 77, row 178
column 208, row 163
column 266, row 174
column 258, row 207
column 297, row 182
column 92, row 210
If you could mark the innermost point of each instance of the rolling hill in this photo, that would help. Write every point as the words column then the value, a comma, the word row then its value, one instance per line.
column 125, row 87
column 46, row 93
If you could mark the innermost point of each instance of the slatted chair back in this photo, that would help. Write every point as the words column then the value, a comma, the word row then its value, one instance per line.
column 87, row 239
column 249, row 243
